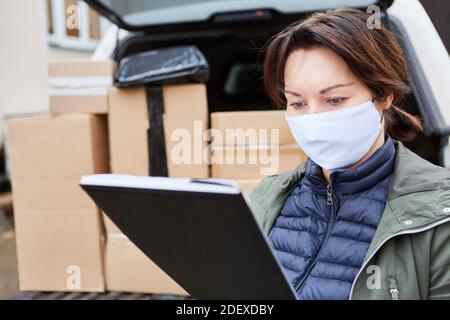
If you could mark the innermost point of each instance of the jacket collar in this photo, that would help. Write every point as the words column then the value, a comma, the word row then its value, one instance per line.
column 364, row 176
column 411, row 174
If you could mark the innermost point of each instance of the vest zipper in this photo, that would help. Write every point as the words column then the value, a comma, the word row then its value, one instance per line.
column 408, row 231
column 332, row 202
column 329, row 195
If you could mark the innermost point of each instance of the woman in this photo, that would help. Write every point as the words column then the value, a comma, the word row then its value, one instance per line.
column 363, row 217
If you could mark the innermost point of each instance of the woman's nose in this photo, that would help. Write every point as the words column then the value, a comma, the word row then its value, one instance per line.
column 315, row 107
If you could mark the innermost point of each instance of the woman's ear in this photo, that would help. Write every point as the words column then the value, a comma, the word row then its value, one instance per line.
column 386, row 102
column 383, row 105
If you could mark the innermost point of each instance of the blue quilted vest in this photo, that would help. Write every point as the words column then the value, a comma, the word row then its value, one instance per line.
column 324, row 231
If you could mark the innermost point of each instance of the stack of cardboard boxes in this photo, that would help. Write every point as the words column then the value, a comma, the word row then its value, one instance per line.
column 185, row 111
column 64, row 242
column 60, row 238
column 58, row 227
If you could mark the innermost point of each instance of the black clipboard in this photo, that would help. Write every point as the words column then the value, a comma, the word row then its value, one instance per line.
column 202, row 233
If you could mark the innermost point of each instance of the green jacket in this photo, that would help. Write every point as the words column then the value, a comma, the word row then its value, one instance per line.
column 409, row 256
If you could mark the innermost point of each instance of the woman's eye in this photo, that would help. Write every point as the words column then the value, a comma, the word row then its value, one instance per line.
column 297, row 105
column 335, row 101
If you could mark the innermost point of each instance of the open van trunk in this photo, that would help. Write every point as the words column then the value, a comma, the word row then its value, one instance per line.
column 231, row 34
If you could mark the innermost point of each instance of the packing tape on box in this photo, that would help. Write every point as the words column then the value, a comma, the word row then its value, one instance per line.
column 99, row 81
column 86, row 91
column 155, row 133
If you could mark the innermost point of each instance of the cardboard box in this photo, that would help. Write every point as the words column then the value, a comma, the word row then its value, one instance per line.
column 244, row 162
column 128, row 269
column 252, row 144
column 58, row 227
column 80, row 86
column 185, row 116
column 253, row 124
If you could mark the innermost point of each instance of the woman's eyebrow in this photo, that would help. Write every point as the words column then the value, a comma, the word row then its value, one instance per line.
column 334, row 87
column 323, row 90
column 293, row 93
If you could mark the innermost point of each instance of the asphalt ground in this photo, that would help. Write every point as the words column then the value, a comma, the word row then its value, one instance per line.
column 8, row 259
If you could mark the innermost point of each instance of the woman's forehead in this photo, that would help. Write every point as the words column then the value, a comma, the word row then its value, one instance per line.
column 315, row 69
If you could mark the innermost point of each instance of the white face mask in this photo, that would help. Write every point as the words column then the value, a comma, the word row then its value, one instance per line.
column 337, row 139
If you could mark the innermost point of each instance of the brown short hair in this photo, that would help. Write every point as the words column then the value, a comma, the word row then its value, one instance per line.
column 373, row 55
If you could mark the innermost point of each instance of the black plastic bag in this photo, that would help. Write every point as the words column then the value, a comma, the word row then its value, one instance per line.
column 182, row 64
